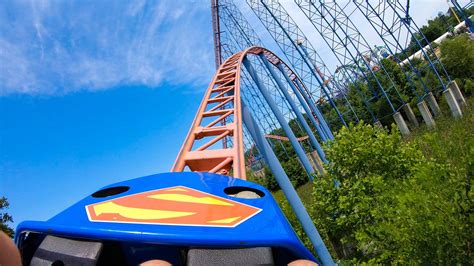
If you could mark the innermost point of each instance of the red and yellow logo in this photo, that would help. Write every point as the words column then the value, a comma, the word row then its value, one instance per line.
column 172, row 206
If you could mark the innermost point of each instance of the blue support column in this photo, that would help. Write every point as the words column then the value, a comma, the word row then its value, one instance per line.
column 287, row 188
column 291, row 136
column 295, row 109
column 305, row 60
column 463, row 15
column 385, row 29
column 345, row 40
column 316, row 111
column 321, row 131
column 305, row 51
column 414, row 31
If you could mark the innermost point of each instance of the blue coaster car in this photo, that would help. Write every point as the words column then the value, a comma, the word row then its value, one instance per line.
column 181, row 218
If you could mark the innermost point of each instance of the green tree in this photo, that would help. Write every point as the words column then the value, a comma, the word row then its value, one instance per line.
column 364, row 161
column 270, row 181
column 5, row 218
column 437, row 27
column 386, row 200
column 419, row 220
column 444, row 22
column 293, row 169
column 429, row 218
column 295, row 172
column 457, row 55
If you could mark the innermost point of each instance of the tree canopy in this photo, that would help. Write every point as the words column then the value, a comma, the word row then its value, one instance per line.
column 5, row 218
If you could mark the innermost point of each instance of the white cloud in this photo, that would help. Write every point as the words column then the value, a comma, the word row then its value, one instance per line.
column 71, row 46
column 68, row 46
column 135, row 7
column 15, row 70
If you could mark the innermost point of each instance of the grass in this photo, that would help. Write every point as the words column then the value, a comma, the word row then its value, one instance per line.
column 452, row 141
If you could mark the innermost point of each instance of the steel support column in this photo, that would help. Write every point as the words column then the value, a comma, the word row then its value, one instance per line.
column 297, row 112
column 294, row 48
column 418, row 36
column 283, row 123
column 330, row 20
column 316, row 111
column 287, row 187
column 322, row 131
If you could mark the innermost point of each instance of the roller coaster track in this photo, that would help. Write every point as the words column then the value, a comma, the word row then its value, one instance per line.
column 184, row 210
column 222, row 100
column 285, row 138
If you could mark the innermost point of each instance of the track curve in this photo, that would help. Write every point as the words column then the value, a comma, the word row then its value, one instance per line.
column 222, row 102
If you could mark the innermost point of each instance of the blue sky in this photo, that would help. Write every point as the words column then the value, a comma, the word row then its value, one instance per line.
column 96, row 92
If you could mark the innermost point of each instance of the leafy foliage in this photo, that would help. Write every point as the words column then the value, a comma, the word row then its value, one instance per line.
column 386, row 200
column 444, row 22
column 457, row 55
column 389, row 200
column 5, row 218
column 293, row 169
column 365, row 161
column 287, row 157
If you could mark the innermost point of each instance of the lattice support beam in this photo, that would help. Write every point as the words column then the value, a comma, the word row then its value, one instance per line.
column 295, row 46
column 349, row 46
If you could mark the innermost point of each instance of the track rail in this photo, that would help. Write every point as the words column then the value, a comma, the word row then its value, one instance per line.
column 222, row 101
column 284, row 138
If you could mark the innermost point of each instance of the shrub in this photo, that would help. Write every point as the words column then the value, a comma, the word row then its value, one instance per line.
column 387, row 200
column 270, row 181
column 365, row 161
column 457, row 55
column 295, row 172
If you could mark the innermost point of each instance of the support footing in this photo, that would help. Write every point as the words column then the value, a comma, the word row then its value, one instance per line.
column 457, row 94
column 402, row 126
column 433, row 104
column 425, row 113
column 453, row 104
column 410, row 115
column 378, row 124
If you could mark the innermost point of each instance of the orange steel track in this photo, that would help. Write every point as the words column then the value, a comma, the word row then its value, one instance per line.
column 285, row 138
column 221, row 101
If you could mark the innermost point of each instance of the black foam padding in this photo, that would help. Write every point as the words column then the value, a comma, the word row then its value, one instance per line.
column 244, row 256
column 137, row 253
column 62, row 251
